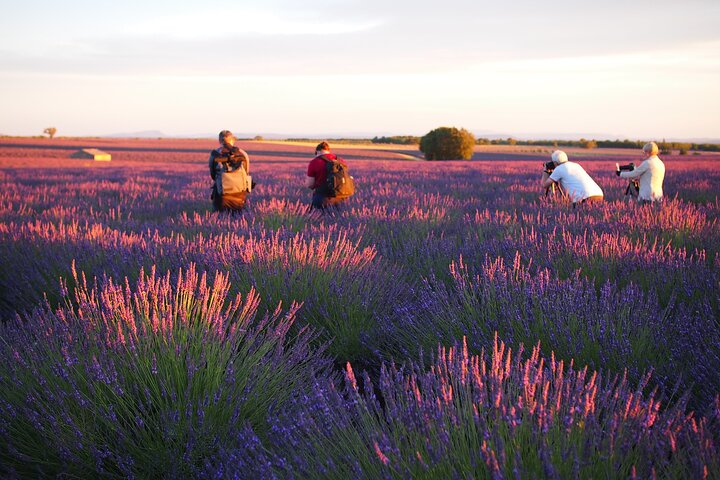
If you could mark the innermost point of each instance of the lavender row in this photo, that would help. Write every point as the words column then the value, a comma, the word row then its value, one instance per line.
column 613, row 329
column 499, row 414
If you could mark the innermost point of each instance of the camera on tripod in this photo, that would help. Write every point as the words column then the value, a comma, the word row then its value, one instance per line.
column 633, row 186
column 548, row 168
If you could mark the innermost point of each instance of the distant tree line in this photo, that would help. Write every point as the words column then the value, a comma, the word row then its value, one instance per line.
column 707, row 147
column 397, row 140
column 665, row 147
column 331, row 140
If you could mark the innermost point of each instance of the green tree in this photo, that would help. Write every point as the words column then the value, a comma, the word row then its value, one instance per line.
column 447, row 143
column 50, row 131
column 588, row 143
column 665, row 148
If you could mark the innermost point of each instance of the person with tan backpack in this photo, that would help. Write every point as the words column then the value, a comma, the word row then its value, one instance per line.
column 230, row 171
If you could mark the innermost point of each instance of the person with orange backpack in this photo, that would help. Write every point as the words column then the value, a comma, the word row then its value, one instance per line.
column 230, row 171
column 329, row 178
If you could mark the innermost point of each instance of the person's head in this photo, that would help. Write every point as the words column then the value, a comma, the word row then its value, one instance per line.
column 650, row 149
column 226, row 138
column 558, row 157
column 322, row 147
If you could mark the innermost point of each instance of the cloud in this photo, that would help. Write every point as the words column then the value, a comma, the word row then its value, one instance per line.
column 353, row 37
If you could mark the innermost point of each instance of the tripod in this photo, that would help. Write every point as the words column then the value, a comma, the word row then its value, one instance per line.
column 553, row 189
column 633, row 188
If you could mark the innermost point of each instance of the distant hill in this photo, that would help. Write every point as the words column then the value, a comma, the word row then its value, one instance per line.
column 694, row 140
column 587, row 135
column 142, row 134
column 567, row 136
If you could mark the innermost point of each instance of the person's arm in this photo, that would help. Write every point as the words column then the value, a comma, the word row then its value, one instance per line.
column 245, row 160
column 637, row 172
column 547, row 181
column 311, row 174
column 211, row 164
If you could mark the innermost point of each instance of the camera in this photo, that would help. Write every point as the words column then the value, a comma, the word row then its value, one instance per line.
column 624, row 168
column 548, row 167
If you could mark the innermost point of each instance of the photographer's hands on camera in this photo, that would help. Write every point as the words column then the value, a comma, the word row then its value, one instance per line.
column 548, row 168
column 633, row 185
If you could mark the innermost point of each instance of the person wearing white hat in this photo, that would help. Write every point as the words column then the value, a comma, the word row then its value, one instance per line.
column 573, row 179
column 650, row 174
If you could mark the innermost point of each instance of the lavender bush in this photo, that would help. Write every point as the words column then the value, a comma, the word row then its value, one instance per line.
column 495, row 415
column 611, row 329
column 146, row 381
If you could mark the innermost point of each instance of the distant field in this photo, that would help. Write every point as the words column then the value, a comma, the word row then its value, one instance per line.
column 181, row 150
column 449, row 321
column 132, row 149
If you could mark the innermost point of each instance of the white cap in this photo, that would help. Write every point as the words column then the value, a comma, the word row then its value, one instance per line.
column 558, row 156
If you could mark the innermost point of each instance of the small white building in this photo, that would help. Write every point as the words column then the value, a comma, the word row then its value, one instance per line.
column 92, row 154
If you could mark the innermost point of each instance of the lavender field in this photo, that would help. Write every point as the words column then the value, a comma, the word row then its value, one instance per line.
column 449, row 321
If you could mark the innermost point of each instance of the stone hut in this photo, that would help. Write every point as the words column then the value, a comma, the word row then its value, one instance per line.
column 92, row 154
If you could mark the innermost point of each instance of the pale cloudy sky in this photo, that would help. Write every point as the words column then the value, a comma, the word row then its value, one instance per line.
column 632, row 68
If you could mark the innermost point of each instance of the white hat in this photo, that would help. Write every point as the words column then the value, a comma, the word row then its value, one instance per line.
column 558, row 156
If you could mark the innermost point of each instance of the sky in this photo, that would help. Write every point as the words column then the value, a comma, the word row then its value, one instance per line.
column 635, row 69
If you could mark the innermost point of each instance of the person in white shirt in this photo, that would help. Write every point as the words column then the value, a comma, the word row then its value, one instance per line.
column 650, row 173
column 573, row 179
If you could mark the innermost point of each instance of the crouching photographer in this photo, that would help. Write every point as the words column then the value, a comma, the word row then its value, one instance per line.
column 647, row 178
column 573, row 180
